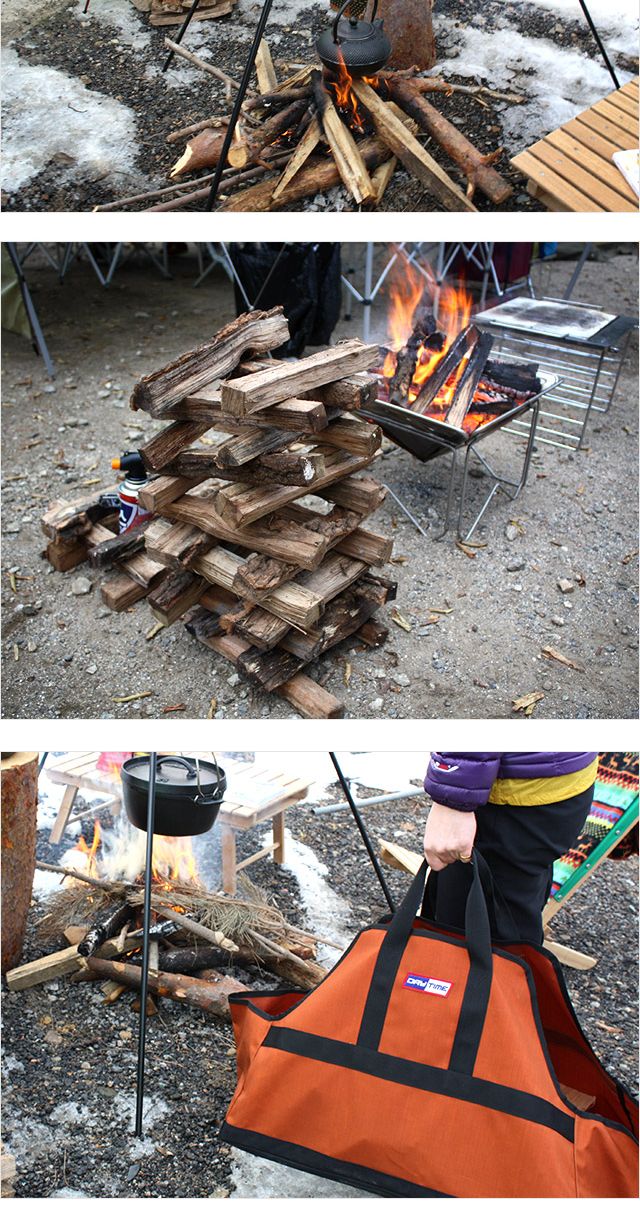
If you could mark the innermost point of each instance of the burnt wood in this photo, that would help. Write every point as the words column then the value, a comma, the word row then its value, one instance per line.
column 466, row 340
column 471, row 376
column 118, row 547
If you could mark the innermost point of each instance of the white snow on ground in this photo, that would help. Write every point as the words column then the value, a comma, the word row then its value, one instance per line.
column 613, row 19
column 328, row 914
column 558, row 81
column 133, row 28
column 256, row 1178
column 382, row 771
column 94, row 136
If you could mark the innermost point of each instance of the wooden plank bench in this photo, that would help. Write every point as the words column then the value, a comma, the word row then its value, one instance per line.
column 255, row 794
column 571, row 169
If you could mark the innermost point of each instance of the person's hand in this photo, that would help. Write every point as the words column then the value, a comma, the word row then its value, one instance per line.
column 449, row 835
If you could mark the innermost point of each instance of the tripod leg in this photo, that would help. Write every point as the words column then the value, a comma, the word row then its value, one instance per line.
column 181, row 32
column 240, row 97
column 146, row 923
column 363, row 830
column 601, row 46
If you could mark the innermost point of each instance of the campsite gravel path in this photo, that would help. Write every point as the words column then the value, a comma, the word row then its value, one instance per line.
column 69, row 1059
column 574, row 520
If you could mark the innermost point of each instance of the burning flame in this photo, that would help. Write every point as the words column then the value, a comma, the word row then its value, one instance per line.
column 408, row 288
column 173, row 859
column 339, row 83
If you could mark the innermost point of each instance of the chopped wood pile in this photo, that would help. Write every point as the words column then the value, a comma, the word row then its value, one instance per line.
column 263, row 578
column 314, row 131
column 196, row 937
column 173, row 12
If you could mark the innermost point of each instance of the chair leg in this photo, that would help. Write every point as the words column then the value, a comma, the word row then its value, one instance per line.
column 278, row 837
column 228, row 843
column 64, row 812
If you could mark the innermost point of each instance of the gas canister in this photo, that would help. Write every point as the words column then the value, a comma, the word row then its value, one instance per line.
column 130, row 511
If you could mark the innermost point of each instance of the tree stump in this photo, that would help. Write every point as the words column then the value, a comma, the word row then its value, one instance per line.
column 408, row 25
column 19, row 773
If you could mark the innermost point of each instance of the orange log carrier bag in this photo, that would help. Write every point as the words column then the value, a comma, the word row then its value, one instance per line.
column 428, row 1064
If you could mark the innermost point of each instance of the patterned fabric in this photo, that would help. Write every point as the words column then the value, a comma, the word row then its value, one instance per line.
column 616, row 789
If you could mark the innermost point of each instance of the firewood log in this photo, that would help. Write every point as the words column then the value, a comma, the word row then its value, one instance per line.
column 210, row 997
column 471, row 161
column 110, row 924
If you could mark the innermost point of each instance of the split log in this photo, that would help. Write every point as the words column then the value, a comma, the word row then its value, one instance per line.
column 58, row 965
column 240, row 397
column 265, row 70
column 301, row 154
column 176, row 545
column 67, row 521
column 211, row 997
column 140, row 568
column 353, row 435
column 372, row 633
column 303, row 693
column 423, row 332
column 360, row 493
column 165, row 446
column 303, row 415
column 164, row 490
column 175, row 596
column 260, row 628
column 118, row 548
column 287, row 536
column 209, row 14
column 290, row 601
column 121, row 592
column 351, row 167
column 410, row 152
column 205, row 148
column 319, row 174
column 472, row 374
column 251, row 444
column 110, row 925
column 65, row 555
column 466, row 340
column 475, row 165
column 257, row 331
column 242, row 504
column 514, row 381
column 298, row 469
column 259, row 574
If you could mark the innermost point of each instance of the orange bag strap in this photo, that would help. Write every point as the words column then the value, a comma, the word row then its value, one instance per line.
column 478, row 987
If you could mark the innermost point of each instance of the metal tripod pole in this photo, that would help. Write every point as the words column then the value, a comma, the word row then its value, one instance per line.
column 181, row 33
column 146, row 924
column 237, row 106
column 363, row 830
column 601, row 47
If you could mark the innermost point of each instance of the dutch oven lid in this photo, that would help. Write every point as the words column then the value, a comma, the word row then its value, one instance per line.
column 177, row 776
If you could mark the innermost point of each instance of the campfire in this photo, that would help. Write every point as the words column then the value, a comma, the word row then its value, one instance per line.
column 441, row 368
column 321, row 127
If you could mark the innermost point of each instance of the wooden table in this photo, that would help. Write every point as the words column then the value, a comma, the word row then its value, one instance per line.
column 255, row 794
column 571, row 170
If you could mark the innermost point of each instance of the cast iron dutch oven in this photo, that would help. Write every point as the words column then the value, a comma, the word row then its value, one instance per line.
column 362, row 46
column 189, row 793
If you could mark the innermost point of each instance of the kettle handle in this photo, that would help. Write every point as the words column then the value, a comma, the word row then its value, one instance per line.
column 341, row 13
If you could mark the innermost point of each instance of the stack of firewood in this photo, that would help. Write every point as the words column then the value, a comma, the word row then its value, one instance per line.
column 173, row 12
column 264, row 579
column 312, row 132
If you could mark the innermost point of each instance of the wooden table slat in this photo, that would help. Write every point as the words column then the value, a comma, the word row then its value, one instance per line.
column 600, row 168
column 554, row 185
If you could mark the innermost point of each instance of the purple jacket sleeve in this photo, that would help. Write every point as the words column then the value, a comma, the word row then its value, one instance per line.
column 461, row 780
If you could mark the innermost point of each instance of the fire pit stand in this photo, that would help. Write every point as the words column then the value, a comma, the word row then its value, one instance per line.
column 425, row 438
column 582, row 344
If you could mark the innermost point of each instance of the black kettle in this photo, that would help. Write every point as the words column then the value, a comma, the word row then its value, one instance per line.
column 362, row 46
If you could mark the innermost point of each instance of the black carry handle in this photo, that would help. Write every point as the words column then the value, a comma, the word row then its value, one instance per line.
column 478, row 988
column 178, row 761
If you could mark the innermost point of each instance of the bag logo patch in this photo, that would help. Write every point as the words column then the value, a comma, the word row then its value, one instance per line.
column 446, row 769
column 430, row 986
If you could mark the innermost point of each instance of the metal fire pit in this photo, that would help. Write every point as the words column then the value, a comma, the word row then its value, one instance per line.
column 585, row 346
column 425, row 438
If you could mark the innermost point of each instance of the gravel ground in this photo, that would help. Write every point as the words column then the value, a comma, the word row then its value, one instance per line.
column 116, row 55
column 573, row 519
column 69, row 1060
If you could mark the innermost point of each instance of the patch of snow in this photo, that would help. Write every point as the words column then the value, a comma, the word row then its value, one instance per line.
column 155, row 1109
column 329, row 915
column 557, row 81
column 283, row 13
column 45, row 883
column 93, row 135
column 11, row 1064
column 132, row 26
column 615, row 20
column 69, row 1193
column 73, row 1114
column 257, row 1178
column 27, row 1140
column 378, row 771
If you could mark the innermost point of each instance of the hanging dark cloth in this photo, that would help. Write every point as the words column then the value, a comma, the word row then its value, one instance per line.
column 302, row 277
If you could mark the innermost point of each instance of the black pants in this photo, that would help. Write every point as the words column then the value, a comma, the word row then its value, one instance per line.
column 520, row 845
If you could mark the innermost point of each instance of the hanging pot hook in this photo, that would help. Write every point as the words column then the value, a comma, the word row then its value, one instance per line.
column 340, row 14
